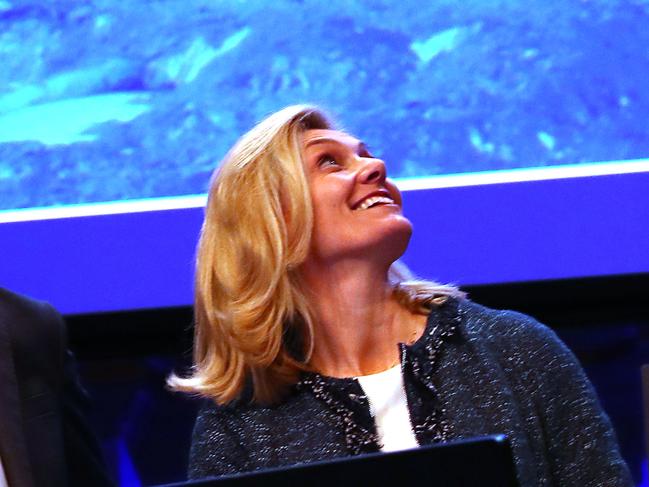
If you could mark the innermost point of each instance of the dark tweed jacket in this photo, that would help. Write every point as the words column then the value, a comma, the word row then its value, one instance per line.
column 474, row 372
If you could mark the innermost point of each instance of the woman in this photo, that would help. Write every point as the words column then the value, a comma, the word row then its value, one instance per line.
column 312, row 343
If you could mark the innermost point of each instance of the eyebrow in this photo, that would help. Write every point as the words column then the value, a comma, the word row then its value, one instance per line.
column 323, row 140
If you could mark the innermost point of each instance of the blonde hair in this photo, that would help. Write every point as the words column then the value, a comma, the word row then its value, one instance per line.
column 248, row 298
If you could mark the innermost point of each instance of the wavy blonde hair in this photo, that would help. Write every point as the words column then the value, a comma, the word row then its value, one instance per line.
column 248, row 297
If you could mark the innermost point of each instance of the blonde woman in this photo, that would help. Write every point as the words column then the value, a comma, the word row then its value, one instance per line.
column 312, row 342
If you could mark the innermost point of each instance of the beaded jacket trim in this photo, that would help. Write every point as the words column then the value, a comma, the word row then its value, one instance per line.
column 349, row 406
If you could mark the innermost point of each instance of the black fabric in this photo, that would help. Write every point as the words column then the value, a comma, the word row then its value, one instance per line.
column 45, row 440
column 474, row 372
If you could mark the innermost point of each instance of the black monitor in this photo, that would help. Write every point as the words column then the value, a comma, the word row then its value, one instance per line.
column 485, row 461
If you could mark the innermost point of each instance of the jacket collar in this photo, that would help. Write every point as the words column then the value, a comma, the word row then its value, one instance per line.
column 349, row 406
column 348, row 409
column 442, row 326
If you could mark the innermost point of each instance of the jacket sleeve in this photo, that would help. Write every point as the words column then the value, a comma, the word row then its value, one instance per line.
column 580, row 442
column 84, row 460
column 59, row 445
column 83, row 456
column 216, row 447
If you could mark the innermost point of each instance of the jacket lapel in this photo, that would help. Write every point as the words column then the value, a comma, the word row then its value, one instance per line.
column 420, row 362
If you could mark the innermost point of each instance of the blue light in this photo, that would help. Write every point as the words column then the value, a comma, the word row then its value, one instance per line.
column 127, row 472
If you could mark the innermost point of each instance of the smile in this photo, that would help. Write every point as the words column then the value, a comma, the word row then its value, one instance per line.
column 373, row 201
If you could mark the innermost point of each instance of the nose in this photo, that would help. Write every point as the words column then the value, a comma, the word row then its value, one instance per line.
column 372, row 171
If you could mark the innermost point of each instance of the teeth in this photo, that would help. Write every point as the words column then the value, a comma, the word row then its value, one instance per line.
column 373, row 201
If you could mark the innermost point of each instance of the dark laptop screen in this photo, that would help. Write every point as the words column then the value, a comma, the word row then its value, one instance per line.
column 484, row 461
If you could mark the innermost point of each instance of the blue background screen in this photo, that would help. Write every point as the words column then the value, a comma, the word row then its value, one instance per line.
column 105, row 100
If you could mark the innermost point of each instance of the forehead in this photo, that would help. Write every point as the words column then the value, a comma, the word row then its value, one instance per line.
column 314, row 137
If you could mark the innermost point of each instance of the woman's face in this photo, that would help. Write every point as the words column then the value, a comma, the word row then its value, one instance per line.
column 357, row 210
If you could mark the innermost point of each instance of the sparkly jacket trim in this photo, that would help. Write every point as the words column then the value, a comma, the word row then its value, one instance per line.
column 352, row 410
column 474, row 372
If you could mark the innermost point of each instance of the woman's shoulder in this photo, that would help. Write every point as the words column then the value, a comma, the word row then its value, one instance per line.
column 519, row 343
column 244, row 435
column 244, row 416
column 481, row 322
column 215, row 447
column 222, row 437
column 541, row 370
column 505, row 334
column 214, row 418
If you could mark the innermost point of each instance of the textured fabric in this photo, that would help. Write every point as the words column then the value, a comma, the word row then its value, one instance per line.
column 474, row 372
column 386, row 396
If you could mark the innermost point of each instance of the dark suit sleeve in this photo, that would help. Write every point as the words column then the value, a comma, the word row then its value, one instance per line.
column 83, row 455
column 60, row 447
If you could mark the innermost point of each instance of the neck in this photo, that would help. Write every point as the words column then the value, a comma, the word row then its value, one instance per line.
column 358, row 324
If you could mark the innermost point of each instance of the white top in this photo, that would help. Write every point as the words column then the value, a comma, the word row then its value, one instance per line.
column 389, row 407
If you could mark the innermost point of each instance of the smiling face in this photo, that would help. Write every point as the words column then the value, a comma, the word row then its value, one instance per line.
column 357, row 211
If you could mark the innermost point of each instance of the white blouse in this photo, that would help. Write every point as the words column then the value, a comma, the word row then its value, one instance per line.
column 389, row 407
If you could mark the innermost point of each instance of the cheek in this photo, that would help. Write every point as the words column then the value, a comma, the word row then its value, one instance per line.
column 322, row 206
column 328, row 201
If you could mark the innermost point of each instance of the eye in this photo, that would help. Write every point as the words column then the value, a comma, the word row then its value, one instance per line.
column 327, row 161
column 365, row 151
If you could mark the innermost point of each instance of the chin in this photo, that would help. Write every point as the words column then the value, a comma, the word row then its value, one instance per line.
column 395, row 242
column 385, row 242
